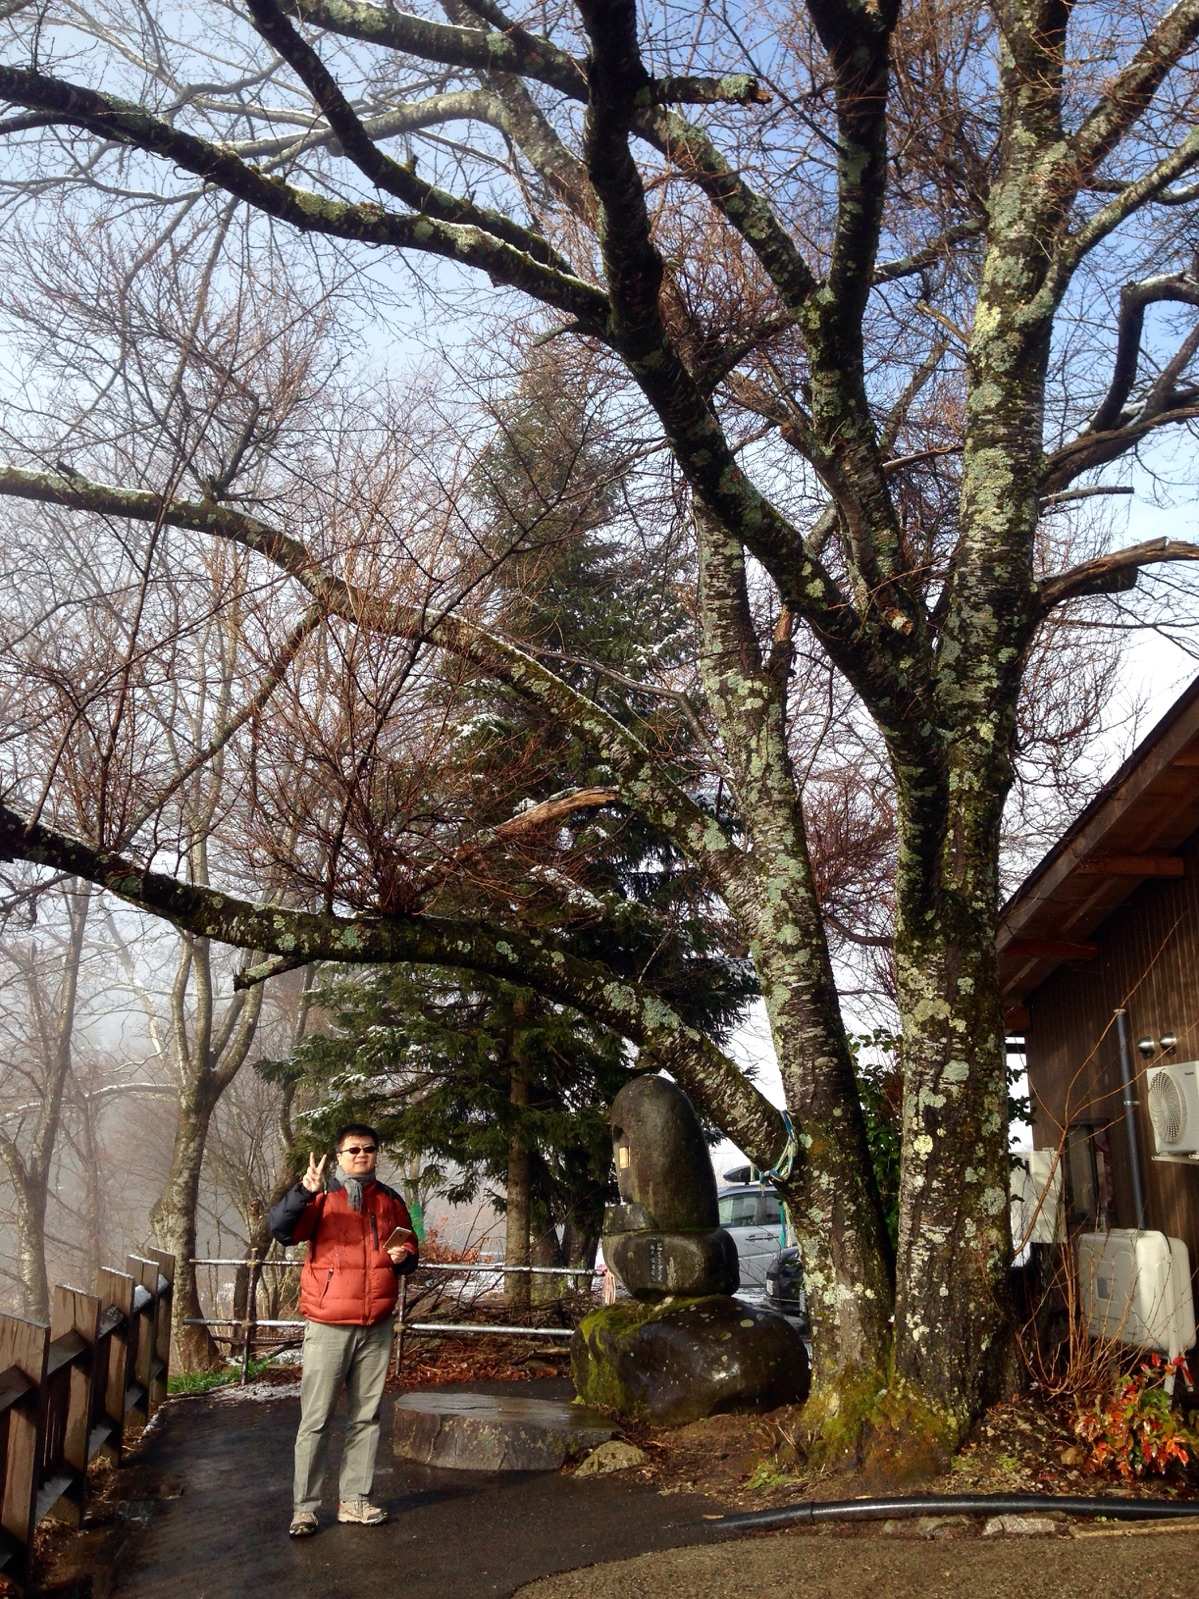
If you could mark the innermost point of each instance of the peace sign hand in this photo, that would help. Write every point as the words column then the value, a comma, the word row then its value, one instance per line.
column 311, row 1179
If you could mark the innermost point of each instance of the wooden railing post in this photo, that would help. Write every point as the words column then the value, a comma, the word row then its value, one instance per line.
column 73, row 1311
column 165, row 1262
column 115, row 1291
column 23, row 1348
column 145, row 1277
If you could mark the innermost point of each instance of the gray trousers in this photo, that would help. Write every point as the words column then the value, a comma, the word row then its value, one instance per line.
column 353, row 1358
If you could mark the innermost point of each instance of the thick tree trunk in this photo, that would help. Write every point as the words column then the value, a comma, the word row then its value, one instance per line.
column 544, row 1250
column 584, row 1220
column 580, row 1239
column 30, row 1195
column 517, row 1209
column 831, row 1193
column 954, row 1237
column 30, row 1162
column 954, row 1243
column 258, row 1241
column 95, row 1201
column 830, row 1186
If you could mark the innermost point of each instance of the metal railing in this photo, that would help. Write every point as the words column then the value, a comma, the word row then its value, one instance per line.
column 68, row 1391
column 467, row 1329
column 248, row 1325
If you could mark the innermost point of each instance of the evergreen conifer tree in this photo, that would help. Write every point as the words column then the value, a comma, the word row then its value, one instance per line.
column 496, row 1087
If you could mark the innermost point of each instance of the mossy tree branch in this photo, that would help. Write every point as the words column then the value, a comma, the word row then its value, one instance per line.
column 467, row 243
column 626, row 1005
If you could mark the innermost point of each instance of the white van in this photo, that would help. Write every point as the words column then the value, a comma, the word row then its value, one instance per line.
column 752, row 1215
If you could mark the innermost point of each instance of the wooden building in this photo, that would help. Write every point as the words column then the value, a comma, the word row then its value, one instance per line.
column 1109, row 921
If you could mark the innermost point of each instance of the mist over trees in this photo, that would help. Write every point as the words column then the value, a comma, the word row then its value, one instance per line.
column 870, row 310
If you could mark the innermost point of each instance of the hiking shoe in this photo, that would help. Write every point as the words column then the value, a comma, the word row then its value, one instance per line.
column 303, row 1524
column 361, row 1512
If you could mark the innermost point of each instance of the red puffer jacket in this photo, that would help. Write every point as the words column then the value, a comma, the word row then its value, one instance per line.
column 348, row 1278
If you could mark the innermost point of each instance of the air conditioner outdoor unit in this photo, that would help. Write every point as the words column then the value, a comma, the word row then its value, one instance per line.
column 1135, row 1288
column 1172, row 1095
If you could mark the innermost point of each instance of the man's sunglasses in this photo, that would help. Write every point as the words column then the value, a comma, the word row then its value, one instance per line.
column 360, row 1149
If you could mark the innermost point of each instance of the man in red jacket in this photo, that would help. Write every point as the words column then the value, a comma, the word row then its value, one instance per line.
column 348, row 1290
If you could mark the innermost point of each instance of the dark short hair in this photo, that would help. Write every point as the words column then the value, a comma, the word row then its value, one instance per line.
column 360, row 1128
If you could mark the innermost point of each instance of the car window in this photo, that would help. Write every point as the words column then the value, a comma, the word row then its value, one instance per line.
column 772, row 1212
column 738, row 1210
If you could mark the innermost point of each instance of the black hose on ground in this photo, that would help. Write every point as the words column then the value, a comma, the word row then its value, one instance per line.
column 814, row 1510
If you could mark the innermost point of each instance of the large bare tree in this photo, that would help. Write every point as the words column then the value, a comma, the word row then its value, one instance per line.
column 890, row 285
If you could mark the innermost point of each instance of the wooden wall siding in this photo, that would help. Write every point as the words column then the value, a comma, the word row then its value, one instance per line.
column 1148, row 960
column 1133, row 829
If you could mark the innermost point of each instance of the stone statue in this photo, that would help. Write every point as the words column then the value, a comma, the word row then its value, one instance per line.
column 665, row 1237
column 681, row 1347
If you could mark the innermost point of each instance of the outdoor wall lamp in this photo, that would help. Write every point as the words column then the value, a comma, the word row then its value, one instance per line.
column 1167, row 1044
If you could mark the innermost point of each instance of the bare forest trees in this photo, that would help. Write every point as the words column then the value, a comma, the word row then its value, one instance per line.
column 142, row 344
column 39, row 1051
column 873, row 291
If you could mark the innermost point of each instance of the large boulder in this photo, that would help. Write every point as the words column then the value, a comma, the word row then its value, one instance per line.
column 681, row 1359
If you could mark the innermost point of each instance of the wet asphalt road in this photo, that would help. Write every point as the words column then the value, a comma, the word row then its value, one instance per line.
column 452, row 1535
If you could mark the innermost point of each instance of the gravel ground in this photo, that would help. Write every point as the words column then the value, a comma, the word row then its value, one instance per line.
column 1137, row 1565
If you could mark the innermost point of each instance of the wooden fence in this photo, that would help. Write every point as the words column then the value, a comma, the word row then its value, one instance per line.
column 68, row 1391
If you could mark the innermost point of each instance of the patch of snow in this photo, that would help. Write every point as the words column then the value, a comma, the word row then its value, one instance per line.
column 258, row 1392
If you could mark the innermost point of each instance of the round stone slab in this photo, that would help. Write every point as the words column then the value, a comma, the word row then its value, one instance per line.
column 483, row 1432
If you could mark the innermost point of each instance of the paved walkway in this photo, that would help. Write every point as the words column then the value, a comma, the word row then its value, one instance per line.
column 453, row 1535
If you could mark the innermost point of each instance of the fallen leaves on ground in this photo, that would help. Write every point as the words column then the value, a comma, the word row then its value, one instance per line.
column 433, row 1362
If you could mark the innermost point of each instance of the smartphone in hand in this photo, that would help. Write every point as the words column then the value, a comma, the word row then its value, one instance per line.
column 399, row 1236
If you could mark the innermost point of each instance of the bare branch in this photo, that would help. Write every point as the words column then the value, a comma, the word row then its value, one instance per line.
column 1130, row 199
column 392, row 177
column 1095, row 491
column 1114, row 573
column 736, row 88
column 908, row 265
column 1096, row 449
column 1135, row 298
column 303, row 208
column 1128, row 94
column 642, row 785
column 634, row 1011
column 544, row 814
